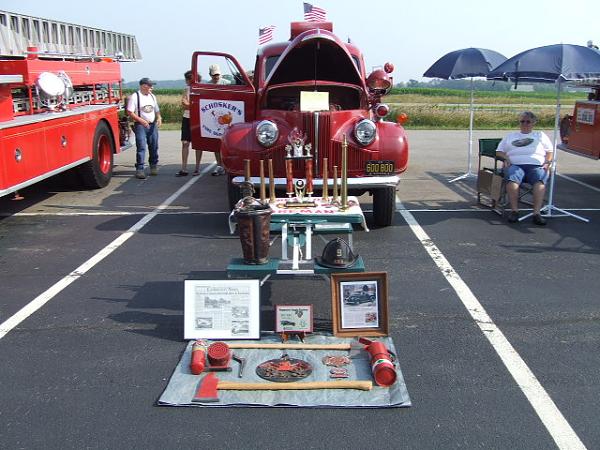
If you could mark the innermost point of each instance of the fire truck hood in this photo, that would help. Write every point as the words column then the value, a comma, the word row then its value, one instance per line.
column 316, row 55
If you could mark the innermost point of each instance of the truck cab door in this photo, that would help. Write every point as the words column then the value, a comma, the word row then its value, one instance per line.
column 217, row 102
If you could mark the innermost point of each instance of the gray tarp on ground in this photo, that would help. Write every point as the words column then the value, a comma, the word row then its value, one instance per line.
column 182, row 385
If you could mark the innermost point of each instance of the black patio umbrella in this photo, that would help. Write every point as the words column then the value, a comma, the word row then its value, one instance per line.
column 466, row 63
column 559, row 63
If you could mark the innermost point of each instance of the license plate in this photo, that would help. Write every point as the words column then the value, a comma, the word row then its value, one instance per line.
column 380, row 167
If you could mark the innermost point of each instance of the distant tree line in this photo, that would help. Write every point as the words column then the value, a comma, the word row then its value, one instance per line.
column 435, row 83
column 160, row 84
column 478, row 85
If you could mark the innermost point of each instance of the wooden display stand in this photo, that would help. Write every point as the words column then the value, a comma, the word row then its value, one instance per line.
column 297, row 226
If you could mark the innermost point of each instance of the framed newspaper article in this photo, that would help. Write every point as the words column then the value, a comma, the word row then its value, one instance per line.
column 222, row 309
column 359, row 304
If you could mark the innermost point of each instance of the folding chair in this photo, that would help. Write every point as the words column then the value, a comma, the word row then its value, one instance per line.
column 490, row 180
column 489, row 174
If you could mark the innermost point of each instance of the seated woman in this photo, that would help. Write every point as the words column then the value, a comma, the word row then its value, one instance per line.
column 527, row 157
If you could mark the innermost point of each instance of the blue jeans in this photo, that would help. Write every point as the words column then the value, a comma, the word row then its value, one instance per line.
column 146, row 139
column 528, row 173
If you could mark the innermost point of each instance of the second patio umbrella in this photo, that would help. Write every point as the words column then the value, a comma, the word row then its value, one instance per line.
column 466, row 63
column 557, row 64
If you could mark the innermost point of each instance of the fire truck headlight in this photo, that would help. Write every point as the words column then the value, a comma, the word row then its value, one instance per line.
column 267, row 133
column 365, row 132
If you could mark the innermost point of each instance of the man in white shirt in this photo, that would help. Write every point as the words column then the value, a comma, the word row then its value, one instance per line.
column 527, row 158
column 143, row 109
column 215, row 75
column 215, row 78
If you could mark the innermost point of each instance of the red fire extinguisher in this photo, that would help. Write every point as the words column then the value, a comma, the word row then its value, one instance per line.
column 198, row 359
column 382, row 367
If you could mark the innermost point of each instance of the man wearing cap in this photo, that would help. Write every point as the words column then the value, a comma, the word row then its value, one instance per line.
column 215, row 78
column 143, row 109
column 215, row 75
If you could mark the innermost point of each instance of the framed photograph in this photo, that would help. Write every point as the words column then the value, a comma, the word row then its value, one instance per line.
column 359, row 304
column 293, row 318
column 222, row 309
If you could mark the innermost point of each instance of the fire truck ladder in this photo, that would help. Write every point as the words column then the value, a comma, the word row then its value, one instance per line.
column 55, row 39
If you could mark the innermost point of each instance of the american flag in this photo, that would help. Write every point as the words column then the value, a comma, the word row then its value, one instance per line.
column 314, row 13
column 265, row 34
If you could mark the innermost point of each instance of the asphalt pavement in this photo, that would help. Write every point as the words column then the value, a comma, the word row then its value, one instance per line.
column 497, row 325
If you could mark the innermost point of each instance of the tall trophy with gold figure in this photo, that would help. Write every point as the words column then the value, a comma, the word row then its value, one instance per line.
column 299, row 192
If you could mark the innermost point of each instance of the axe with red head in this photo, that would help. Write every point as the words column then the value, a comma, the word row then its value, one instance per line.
column 209, row 386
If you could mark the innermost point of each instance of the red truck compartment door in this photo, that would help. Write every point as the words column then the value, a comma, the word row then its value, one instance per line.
column 217, row 102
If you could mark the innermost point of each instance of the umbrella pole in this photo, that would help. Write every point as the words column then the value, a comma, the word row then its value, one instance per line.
column 550, row 207
column 468, row 173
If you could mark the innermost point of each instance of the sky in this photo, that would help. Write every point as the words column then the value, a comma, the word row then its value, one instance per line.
column 411, row 35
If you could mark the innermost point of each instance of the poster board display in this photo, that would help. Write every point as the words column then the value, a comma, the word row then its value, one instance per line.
column 293, row 318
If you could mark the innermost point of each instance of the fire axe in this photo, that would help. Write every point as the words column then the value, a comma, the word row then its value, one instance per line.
column 209, row 386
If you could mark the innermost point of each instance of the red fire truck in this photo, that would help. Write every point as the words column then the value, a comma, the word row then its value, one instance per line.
column 314, row 86
column 580, row 132
column 60, row 95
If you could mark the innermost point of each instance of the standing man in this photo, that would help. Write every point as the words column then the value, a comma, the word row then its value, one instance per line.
column 186, row 134
column 143, row 109
column 215, row 78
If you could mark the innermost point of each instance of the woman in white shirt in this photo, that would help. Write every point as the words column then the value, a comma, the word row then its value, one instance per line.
column 527, row 157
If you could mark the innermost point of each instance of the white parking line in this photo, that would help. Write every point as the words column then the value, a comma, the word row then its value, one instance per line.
column 13, row 321
column 581, row 183
column 111, row 213
column 558, row 427
column 209, row 213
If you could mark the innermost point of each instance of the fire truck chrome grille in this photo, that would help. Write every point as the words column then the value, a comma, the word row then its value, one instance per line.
column 332, row 150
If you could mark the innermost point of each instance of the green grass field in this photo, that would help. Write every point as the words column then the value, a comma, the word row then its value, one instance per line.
column 430, row 108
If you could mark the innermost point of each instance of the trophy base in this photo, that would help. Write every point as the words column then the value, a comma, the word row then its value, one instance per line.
column 302, row 204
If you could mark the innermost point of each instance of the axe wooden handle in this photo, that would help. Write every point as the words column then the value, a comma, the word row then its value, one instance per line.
column 296, row 346
column 295, row 385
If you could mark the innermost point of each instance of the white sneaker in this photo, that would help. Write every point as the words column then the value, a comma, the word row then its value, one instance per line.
column 140, row 174
column 218, row 171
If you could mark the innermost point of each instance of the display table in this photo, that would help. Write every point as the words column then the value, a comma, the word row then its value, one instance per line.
column 297, row 226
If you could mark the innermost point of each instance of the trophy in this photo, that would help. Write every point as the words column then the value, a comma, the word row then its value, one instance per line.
column 299, row 193
column 344, row 193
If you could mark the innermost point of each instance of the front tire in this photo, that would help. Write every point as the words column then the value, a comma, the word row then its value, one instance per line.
column 384, row 206
column 97, row 172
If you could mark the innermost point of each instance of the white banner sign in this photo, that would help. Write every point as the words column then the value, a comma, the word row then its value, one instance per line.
column 217, row 115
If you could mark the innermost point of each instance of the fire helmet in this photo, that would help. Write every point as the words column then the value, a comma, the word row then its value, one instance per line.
column 337, row 254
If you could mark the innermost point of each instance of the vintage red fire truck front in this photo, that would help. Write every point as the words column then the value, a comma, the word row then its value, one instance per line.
column 60, row 95
column 313, row 87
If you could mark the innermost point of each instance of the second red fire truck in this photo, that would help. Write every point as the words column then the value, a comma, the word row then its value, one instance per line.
column 60, row 96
